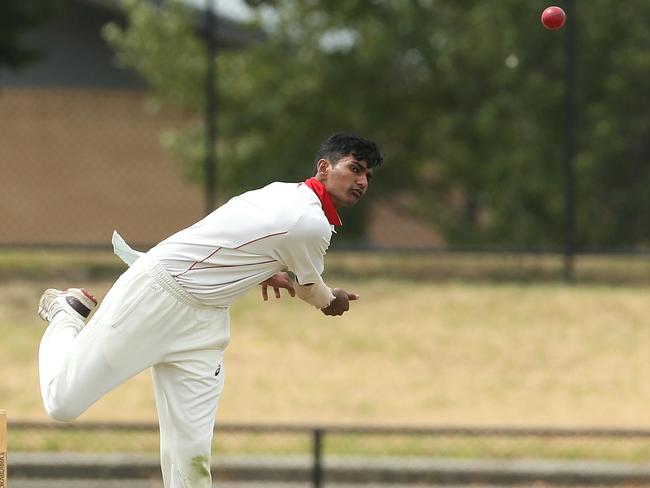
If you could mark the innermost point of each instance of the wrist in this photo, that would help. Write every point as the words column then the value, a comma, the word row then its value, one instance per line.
column 318, row 294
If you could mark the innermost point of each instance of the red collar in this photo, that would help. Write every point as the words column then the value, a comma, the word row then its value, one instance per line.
column 325, row 200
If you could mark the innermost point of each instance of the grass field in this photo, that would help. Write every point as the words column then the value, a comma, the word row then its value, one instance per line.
column 414, row 352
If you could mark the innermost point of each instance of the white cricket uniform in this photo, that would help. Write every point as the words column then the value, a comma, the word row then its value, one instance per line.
column 248, row 240
column 169, row 311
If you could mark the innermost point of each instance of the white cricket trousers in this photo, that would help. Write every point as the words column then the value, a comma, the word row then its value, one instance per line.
column 145, row 320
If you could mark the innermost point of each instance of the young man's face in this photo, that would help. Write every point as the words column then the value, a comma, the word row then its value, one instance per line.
column 346, row 181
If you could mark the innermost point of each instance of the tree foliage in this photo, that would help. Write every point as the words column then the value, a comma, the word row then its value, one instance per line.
column 465, row 98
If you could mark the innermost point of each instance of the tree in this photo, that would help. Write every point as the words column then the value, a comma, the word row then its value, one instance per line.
column 464, row 97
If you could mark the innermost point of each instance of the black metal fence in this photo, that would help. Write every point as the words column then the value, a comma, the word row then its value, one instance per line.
column 319, row 454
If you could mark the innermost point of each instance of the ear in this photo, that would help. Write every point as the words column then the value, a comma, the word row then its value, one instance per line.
column 323, row 166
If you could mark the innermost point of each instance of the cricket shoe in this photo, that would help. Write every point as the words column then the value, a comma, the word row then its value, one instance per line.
column 74, row 301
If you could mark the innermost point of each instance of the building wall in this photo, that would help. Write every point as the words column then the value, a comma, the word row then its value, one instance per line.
column 77, row 164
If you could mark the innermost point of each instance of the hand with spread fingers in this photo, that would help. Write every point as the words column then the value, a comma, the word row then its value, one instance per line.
column 278, row 281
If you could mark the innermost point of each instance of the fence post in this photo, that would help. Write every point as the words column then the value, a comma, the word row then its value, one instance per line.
column 569, row 170
column 317, row 468
column 210, row 163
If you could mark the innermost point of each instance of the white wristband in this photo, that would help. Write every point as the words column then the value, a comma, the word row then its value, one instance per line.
column 319, row 294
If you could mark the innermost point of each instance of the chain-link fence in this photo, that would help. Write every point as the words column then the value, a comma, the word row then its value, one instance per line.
column 78, row 163
column 81, row 151
column 343, row 454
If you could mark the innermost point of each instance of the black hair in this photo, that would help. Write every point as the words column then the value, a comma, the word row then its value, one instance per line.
column 343, row 144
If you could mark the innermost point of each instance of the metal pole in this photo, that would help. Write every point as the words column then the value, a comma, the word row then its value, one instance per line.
column 569, row 146
column 317, row 471
column 210, row 109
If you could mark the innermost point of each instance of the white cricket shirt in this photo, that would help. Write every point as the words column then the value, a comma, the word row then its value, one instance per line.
column 247, row 240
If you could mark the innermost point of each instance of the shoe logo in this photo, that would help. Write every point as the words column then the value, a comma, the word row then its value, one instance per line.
column 216, row 373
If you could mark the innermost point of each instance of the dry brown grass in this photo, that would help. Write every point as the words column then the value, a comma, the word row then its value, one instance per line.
column 425, row 353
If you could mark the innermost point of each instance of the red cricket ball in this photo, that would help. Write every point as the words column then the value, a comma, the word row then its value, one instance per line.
column 553, row 18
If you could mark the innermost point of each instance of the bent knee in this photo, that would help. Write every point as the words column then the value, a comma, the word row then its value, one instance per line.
column 62, row 413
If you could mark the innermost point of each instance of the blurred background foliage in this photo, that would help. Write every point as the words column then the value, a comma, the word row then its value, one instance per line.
column 465, row 98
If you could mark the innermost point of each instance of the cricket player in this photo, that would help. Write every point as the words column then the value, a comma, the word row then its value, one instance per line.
column 169, row 310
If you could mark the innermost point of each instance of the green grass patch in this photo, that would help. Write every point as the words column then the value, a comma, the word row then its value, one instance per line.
column 242, row 443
